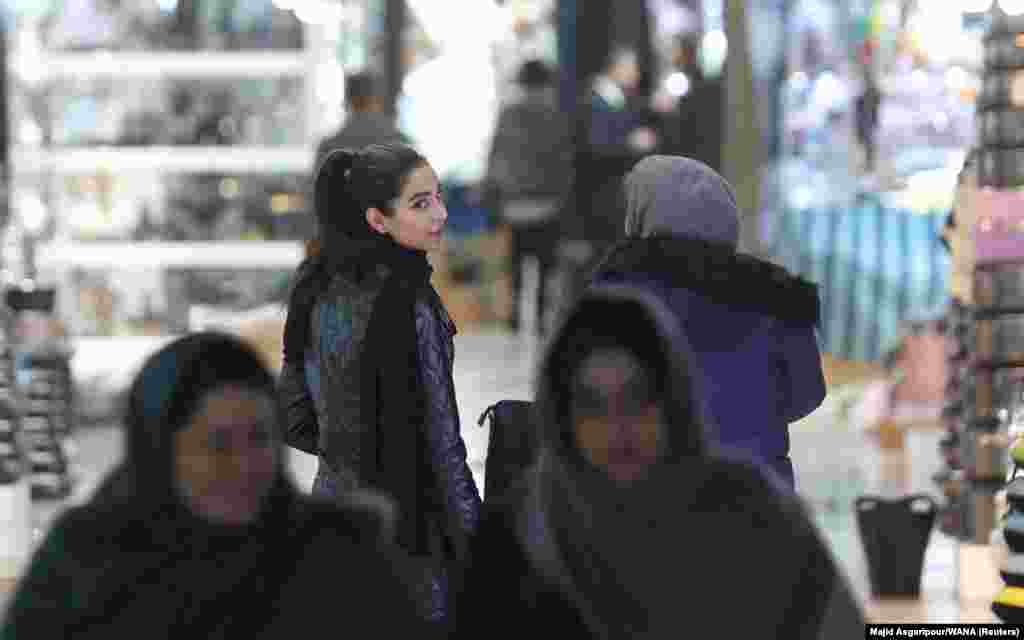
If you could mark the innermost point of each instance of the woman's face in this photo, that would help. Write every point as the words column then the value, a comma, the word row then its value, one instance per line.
column 419, row 213
column 616, row 415
column 227, row 456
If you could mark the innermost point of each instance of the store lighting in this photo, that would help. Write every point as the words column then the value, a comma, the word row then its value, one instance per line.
column 957, row 78
column 33, row 213
column 319, row 12
column 976, row 6
column 713, row 51
column 1012, row 7
column 678, row 84
column 229, row 188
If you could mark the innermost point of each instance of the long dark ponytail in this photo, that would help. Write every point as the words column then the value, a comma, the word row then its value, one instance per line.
column 347, row 183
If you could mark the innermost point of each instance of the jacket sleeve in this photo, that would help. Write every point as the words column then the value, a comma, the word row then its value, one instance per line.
column 443, row 431
column 301, row 427
column 42, row 604
column 801, row 364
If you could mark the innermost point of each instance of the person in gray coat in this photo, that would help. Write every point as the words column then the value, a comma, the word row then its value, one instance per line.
column 529, row 174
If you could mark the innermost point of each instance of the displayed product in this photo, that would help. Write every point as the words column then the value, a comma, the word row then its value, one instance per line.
column 44, row 395
column 1000, row 105
column 85, row 25
column 147, row 112
column 1008, row 604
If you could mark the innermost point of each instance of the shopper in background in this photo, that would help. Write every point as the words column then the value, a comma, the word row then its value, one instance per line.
column 367, row 122
column 866, row 110
column 751, row 324
column 529, row 173
column 199, row 532
column 615, row 135
column 630, row 525
column 697, row 128
column 367, row 379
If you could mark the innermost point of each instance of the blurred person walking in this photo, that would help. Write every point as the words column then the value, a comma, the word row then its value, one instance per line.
column 751, row 324
column 366, row 122
column 529, row 174
column 199, row 532
column 632, row 525
column 368, row 357
column 616, row 134
column 694, row 128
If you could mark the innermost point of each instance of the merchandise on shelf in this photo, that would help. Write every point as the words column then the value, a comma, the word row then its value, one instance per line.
column 84, row 25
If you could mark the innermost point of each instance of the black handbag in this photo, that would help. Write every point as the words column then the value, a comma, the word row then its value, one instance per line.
column 512, row 445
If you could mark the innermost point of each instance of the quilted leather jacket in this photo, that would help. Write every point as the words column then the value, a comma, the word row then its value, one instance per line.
column 304, row 389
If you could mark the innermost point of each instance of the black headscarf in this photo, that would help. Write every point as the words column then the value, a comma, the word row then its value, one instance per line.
column 391, row 453
column 139, row 510
column 165, row 395
column 694, row 524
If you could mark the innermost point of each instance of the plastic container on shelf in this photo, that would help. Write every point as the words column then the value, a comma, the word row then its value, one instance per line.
column 1001, row 168
column 998, row 213
column 1004, row 51
column 1000, row 337
column 1001, row 90
column 1000, row 285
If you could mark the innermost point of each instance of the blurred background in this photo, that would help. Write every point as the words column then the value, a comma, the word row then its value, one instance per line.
column 156, row 158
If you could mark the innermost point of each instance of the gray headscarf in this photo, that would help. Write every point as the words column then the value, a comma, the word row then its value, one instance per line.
column 677, row 195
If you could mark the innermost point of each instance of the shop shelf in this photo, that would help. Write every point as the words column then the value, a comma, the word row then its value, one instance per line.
column 183, row 159
column 172, row 255
column 257, row 64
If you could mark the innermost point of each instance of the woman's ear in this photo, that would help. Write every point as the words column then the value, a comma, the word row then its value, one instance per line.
column 377, row 220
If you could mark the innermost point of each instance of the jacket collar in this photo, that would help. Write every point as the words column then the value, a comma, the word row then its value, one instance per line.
column 718, row 272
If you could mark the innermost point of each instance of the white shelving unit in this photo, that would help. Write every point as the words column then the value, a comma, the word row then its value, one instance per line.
column 171, row 255
column 62, row 256
column 191, row 65
column 183, row 159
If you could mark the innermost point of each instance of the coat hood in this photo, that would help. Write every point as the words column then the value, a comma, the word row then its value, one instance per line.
column 624, row 316
column 716, row 271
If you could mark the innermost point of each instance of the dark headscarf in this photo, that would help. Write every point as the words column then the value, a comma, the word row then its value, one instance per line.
column 139, row 510
column 164, row 396
column 700, row 523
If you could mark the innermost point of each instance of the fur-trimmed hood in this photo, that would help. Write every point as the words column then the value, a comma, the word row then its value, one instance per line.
column 717, row 272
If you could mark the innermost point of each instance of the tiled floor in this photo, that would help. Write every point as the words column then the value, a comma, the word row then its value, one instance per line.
column 835, row 462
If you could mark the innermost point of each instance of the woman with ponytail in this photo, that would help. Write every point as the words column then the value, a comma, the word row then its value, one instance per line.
column 368, row 355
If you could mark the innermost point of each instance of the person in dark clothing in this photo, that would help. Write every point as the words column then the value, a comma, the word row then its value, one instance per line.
column 367, row 123
column 199, row 532
column 631, row 524
column 867, row 108
column 529, row 172
column 615, row 134
column 751, row 323
column 368, row 358
column 698, row 115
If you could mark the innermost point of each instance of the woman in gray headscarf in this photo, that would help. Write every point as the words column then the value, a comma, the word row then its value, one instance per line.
column 750, row 323
column 630, row 525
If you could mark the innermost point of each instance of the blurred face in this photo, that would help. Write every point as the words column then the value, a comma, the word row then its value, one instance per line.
column 227, row 456
column 616, row 415
column 626, row 71
column 419, row 213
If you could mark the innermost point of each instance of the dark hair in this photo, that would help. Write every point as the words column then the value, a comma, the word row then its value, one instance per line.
column 347, row 183
column 618, row 52
column 535, row 74
column 361, row 87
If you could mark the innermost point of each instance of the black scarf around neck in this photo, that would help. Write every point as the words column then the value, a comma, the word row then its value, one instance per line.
column 393, row 449
column 391, row 457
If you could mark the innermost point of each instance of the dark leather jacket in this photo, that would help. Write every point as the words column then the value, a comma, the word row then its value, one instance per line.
column 300, row 386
